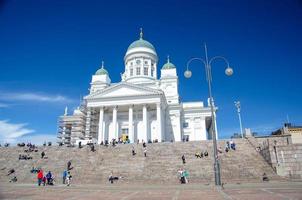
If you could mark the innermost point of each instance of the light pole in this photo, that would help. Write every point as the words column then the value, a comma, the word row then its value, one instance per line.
column 237, row 104
column 229, row 71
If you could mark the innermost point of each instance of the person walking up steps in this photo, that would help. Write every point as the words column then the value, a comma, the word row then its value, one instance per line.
column 183, row 159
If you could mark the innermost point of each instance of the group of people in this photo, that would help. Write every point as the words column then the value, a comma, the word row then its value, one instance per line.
column 48, row 179
column 202, row 154
column 25, row 157
column 144, row 150
column 230, row 145
column 183, row 176
column 14, row 177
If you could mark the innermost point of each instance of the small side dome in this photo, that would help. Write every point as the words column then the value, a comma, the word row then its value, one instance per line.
column 102, row 71
column 168, row 65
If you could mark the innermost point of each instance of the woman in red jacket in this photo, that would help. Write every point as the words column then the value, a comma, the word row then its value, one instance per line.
column 40, row 177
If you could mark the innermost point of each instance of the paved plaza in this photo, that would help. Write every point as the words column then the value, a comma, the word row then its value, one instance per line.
column 250, row 191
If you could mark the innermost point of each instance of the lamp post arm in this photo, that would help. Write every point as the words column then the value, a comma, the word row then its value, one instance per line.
column 195, row 58
column 221, row 58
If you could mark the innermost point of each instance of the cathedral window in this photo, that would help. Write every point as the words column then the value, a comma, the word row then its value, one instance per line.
column 138, row 71
column 152, row 71
column 146, row 71
column 131, row 71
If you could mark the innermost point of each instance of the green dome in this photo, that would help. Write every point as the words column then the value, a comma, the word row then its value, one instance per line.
column 102, row 71
column 141, row 43
column 168, row 65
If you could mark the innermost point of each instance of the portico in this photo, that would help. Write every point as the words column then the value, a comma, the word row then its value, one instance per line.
column 137, row 122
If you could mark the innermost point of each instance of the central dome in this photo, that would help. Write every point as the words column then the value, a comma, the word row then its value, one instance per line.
column 141, row 43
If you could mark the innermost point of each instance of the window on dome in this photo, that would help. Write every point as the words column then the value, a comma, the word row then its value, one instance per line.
column 138, row 71
column 152, row 71
column 146, row 62
column 131, row 72
column 138, row 62
column 146, row 71
column 131, row 63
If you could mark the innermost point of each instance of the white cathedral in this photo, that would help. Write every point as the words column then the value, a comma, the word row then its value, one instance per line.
column 139, row 107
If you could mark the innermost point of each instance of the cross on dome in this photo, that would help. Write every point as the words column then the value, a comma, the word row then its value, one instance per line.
column 102, row 64
column 141, row 34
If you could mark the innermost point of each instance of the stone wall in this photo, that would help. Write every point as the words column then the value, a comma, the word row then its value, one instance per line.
column 284, row 156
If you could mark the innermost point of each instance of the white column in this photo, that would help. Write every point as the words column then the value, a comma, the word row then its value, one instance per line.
column 130, row 125
column 159, row 122
column 145, row 123
column 101, row 128
column 114, row 120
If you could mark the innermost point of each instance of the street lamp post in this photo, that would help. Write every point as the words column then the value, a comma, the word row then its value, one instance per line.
column 229, row 71
column 238, row 106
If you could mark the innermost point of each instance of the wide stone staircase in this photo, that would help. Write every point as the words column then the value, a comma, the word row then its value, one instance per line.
column 160, row 166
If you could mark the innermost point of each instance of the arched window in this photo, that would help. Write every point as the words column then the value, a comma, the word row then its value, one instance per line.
column 146, row 71
column 138, row 71
column 131, row 71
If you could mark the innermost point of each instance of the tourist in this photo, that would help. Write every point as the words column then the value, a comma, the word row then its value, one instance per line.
column 265, row 177
column 185, row 175
column 11, row 171
column 80, row 144
column 227, row 144
column 69, row 165
column 137, row 142
column 144, row 144
column 133, row 151
column 197, row 155
column 40, row 177
column 206, row 153
column 183, row 159
column 68, row 178
column 111, row 178
column 34, row 170
column 233, row 145
column 92, row 148
column 145, row 152
column 14, row 179
column 42, row 154
column 48, row 177
column 44, row 181
column 64, row 176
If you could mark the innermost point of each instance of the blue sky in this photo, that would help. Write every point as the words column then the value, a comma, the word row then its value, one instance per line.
column 49, row 50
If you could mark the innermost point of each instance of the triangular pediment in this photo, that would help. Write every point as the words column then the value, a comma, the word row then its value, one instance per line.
column 124, row 90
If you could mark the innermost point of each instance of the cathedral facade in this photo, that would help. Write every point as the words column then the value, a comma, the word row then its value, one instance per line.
column 139, row 107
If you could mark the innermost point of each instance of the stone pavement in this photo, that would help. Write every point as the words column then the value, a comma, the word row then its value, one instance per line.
column 249, row 191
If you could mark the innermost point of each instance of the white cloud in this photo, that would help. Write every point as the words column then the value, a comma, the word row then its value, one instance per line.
column 10, row 132
column 33, row 97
